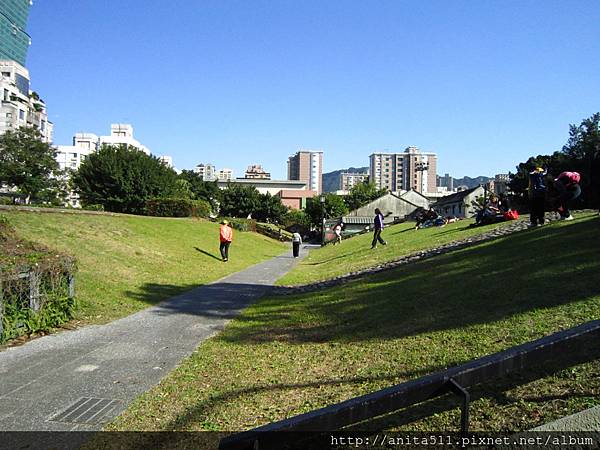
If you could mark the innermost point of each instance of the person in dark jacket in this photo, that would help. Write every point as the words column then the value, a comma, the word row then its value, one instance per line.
column 377, row 228
column 537, row 196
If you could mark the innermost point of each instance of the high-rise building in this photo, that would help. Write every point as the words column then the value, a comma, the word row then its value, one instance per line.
column 20, row 106
column 14, row 40
column 350, row 179
column 256, row 172
column 411, row 169
column 307, row 166
column 446, row 181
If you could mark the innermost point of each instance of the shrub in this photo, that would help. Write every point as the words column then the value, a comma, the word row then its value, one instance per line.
column 94, row 207
column 243, row 224
column 177, row 207
column 30, row 272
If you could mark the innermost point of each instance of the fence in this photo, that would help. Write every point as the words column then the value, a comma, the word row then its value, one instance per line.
column 26, row 294
column 455, row 380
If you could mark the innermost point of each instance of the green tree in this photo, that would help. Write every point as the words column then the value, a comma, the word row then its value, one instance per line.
column 122, row 179
column 583, row 149
column 361, row 194
column 28, row 163
column 239, row 201
column 204, row 190
column 334, row 206
column 270, row 209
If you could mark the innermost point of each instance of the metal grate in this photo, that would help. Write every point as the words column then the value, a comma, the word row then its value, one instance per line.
column 88, row 410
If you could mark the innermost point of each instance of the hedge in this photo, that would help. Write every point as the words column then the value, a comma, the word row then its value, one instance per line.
column 177, row 207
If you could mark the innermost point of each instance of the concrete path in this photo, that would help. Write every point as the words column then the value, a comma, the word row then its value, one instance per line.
column 78, row 380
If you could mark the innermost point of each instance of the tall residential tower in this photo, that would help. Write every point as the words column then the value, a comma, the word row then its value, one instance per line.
column 14, row 40
column 412, row 169
column 307, row 166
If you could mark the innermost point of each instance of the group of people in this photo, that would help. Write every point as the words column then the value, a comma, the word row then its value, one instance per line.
column 566, row 187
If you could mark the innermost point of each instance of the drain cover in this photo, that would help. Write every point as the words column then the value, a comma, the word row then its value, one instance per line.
column 88, row 410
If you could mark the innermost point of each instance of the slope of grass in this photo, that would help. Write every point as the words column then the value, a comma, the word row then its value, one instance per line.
column 356, row 253
column 289, row 355
column 126, row 263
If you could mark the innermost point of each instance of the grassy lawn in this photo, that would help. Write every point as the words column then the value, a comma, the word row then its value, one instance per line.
column 126, row 263
column 289, row 355
column 355, row 253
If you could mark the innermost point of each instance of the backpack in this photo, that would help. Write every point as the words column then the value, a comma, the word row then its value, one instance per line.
column 536, row 182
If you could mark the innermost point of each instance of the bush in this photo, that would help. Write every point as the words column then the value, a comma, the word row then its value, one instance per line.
column 243, row 224
column 177, row 207
column 47, row 283
column 94, row 207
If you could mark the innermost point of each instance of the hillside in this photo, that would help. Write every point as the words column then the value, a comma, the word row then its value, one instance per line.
column 356, row 254
column 292, row 354
column 126, row 263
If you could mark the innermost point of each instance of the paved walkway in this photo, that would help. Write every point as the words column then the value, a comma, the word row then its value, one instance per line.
column 79, row 380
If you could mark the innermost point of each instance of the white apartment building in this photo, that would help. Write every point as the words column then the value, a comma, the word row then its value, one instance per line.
column 20, row 106
column 225, row 175
column 206, row 171
column 350, row 179
column 411, row 169
column 122, row 134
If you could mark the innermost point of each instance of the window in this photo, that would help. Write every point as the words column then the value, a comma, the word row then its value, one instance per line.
column 21, row 114
column 9, row 115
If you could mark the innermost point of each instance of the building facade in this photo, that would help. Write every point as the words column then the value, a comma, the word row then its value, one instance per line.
column 397, row 172
column 225, row 175
column 206, row 172
column 256, row 172
column 20, row 106
column 307, row 166
column 14, row 40
column 350, row 179
column 122, row 134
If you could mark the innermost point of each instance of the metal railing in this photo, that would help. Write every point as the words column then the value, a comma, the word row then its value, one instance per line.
column 455, row 380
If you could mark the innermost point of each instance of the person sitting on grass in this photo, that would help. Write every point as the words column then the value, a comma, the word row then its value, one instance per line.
column 490, row 213
column 428, row 219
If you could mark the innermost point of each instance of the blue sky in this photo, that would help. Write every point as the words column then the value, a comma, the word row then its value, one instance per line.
column 484, row 84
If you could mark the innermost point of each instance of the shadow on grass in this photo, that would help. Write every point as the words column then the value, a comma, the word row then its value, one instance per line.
column 199, row 410
column 544, row 268
column 204, row 252
column 497, row 389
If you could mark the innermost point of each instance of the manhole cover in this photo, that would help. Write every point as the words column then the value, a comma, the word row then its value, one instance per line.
column 88, row 410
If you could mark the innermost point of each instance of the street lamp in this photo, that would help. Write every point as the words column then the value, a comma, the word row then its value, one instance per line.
column 322, row 200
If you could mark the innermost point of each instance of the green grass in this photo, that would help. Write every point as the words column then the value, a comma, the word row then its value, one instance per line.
column 356, row 253
column 289, row 355
column 126, row 263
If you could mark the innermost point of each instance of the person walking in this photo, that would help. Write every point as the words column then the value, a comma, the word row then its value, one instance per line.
column 296, row 242
column 377, row 229
column 537, row 196
column 567, row 186
column 226, row 237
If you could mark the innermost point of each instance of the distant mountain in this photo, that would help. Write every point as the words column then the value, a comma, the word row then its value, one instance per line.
column 331, row 180
column 471, row 182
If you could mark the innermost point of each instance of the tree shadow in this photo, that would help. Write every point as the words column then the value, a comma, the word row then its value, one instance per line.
column 495, row 388
column 204, row 252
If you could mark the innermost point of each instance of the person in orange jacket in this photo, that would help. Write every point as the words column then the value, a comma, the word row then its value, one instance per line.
column 225, row 236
